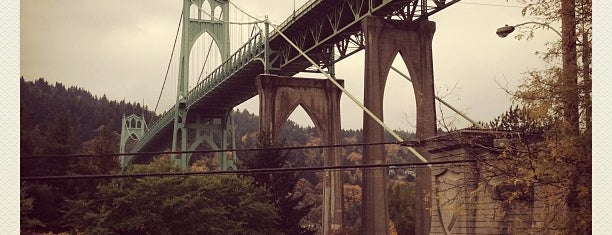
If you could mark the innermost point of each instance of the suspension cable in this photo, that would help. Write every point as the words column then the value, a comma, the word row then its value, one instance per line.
column 476, row 124
column 365, row 109
column 170, row 62
column 205, row 60
column 244, row 12
column 232, row 22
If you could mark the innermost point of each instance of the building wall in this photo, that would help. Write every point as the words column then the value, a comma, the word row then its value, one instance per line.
column 468, row 200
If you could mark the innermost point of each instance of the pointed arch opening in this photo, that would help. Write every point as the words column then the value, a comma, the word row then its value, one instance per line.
column 206, row 11
column 130, row 142
column 204, row 58
column 206, row 161
column 299, row 129
column 399, row 108
column 399, row 102
column 218, row 13
column 302, row 134
column 194, row 11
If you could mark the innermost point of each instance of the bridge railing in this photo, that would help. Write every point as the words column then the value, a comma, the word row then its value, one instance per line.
column 251, row 49
column 248, row 51
column 296, row 14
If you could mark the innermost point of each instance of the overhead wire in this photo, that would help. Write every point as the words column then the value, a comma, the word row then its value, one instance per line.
column 246, row 171
column 406, row 143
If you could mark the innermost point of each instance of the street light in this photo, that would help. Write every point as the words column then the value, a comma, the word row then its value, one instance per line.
column 569, row 74
column 502, row 32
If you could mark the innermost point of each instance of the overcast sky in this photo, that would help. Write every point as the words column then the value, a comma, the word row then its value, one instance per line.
column 121, row 49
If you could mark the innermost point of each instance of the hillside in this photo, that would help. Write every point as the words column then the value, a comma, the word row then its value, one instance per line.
column 44, row 105
column 60, row 120
column 79, row 114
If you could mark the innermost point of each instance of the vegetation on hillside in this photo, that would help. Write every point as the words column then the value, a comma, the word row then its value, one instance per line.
column 60, row 120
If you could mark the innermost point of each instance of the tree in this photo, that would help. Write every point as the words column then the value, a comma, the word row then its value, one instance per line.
column 105, row 142
column 551, row 165
column 560, row 98
column 516, row 119
column 401, row 195
column 26, row 205
column 174, row 205
column 281, row 186
column 48, row 197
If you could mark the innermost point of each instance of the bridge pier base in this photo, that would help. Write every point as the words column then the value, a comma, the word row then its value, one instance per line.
column 278, row 97
column 200, row 127
column 383, row 40
column 205, row 126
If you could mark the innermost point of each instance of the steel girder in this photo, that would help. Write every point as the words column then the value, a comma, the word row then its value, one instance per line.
column 335, row 24
column 327, row 30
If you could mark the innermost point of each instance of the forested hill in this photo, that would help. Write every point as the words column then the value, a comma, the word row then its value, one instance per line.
column 46, row 107
column 58, row 120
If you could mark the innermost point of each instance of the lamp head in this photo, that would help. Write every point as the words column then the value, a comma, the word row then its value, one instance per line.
column 504, row 31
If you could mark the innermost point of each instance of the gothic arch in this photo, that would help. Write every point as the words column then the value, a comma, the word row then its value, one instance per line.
column 279, row 96
column 194, row 11
column 285, row 113
column 219, row 31
column 383, row 40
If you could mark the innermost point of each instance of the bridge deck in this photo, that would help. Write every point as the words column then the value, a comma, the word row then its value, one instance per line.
column 317, row 26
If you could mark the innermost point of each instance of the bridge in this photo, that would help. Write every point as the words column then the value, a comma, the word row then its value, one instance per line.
column 314, row 38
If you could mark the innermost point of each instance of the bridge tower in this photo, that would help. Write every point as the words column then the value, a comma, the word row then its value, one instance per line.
column 203, row 123
column 132, row 127
column 384, row 39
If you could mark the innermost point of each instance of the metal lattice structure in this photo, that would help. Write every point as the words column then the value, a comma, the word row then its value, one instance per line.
column 327, row 30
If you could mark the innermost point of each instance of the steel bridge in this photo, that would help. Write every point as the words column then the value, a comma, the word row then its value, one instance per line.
column 325, row 31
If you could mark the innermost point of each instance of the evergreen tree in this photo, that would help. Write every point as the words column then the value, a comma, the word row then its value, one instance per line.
column 281, row 185
column 27, row 222
column 402, row 198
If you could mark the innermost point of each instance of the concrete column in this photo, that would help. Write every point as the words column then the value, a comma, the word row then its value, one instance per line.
column 278, row 97
column 383, row 40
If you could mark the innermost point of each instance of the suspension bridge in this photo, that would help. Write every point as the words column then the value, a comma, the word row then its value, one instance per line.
column 255, row 57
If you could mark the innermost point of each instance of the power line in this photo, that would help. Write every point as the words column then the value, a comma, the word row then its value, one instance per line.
column 405, row 143
column 243, row 171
